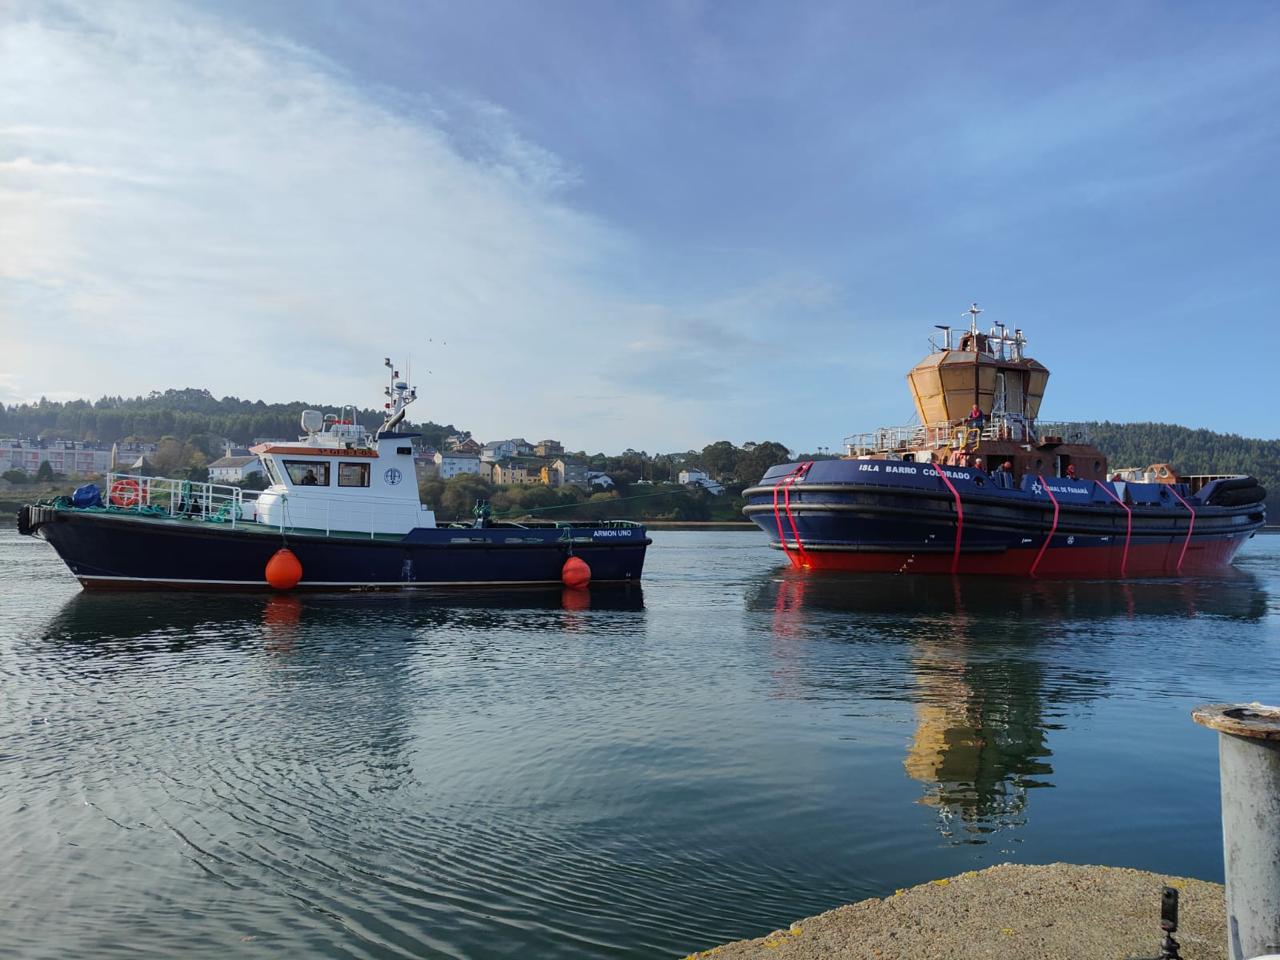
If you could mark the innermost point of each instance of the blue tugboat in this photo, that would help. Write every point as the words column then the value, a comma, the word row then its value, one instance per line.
column 342, row 512
column 980, row 484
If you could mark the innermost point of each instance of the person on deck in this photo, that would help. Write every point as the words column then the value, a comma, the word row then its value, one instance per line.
column 976, row 417
column 1004, row 476
column 1071, row 471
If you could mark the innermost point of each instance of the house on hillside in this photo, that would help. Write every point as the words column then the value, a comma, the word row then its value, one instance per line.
column 599, row 479
column 460, row 444
column 697, row 478
column 455, row 463
column 496, row 450
column 548, row 449
column 561, row 473
column 234, row 469
column 507, row 472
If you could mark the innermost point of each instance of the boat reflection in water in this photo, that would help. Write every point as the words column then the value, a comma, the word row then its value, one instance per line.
column 990, row 669
column 172, row 621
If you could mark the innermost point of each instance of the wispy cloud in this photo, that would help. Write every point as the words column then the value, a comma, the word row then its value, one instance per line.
column 186, row 202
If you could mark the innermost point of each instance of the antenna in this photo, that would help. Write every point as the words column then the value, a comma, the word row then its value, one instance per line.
column 946, row 335
column 973, row 312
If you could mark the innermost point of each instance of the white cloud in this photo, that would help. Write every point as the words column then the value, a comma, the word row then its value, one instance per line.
column 183, row 202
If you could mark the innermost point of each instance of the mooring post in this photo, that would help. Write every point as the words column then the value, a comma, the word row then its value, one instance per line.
column 1249, row 763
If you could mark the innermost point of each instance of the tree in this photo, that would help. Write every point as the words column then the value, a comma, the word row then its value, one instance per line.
column 754, row 463
column 45, row 473
column 720, row 460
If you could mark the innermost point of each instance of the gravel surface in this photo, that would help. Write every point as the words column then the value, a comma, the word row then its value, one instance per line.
column 1010, row 911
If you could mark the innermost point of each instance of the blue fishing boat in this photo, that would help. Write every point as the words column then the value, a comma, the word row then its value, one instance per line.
column 342, row 512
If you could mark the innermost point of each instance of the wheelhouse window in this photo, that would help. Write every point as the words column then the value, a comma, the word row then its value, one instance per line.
column 353, row 474
column 308, row 473
column 269, row 465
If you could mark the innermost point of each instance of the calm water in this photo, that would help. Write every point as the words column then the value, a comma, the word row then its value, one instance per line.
column 493, row 775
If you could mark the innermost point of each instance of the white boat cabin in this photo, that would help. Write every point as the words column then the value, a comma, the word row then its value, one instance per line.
column 340, row 478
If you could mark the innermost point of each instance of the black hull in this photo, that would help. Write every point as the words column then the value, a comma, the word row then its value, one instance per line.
column 122, row 550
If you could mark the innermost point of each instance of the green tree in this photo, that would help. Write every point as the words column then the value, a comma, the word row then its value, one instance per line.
column 44, row 474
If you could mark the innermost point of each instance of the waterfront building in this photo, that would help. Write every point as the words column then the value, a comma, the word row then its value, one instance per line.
column 71, row 457
column 698, row 478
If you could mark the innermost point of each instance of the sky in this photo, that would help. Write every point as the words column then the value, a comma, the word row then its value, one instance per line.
column 651, row 225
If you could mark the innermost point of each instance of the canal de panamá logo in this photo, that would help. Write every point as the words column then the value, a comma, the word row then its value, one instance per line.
column 393, row 476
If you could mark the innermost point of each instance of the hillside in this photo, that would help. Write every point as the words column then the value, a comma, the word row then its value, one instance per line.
column 188, row 415
column 1192, row 451
column 196, row 416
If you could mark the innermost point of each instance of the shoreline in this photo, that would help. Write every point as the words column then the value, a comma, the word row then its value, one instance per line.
column 1058, row 911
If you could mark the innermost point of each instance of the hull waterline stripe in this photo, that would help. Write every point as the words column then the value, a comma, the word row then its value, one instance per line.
column 1052, row 530
column 1128, row 528
column 345, row 584
column 1190, row 528
column 955, row 555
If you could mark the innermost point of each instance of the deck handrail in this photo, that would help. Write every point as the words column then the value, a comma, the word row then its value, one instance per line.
column 946, row 433
column 189, row 499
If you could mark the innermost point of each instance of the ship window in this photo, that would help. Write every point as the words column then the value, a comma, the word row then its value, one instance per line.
column 353, row 474
column 308, row 473
column 269, row 465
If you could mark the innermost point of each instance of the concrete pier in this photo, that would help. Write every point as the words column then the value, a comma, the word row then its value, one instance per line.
column 1009, row 912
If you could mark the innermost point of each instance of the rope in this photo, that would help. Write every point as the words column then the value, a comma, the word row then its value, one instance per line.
column 1190, row 528
column 955, row 554
column 787, row 484
column 1052, row 530
column 1128, row 529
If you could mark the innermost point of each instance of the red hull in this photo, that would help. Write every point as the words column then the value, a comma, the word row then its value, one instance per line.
column 1144, row 560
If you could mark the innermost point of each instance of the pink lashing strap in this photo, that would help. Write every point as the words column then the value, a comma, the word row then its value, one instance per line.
column 1128, row 529
column 1052, row 530
column 786, row 501
column 784, row 485
column 955, row 554
column 1190, row 527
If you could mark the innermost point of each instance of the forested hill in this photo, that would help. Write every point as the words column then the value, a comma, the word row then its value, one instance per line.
column 1192, row 451
column 197, row 415
column 184, row 414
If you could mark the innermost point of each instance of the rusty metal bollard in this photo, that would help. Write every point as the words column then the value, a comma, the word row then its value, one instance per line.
column 1249, row 770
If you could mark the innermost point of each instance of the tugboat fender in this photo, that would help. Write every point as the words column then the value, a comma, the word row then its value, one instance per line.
column 24, row 521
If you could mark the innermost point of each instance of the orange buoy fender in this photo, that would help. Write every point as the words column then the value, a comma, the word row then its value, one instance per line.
column 283, row 569
column 575, row 573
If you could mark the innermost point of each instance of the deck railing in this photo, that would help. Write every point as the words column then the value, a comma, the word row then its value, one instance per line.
column 952, row 433
column 215, row 502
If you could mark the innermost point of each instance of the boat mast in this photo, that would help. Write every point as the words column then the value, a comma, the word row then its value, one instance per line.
column 400, row 394
column 973, row 312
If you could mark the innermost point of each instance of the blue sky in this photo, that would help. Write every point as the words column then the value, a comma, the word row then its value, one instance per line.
column 651, row 225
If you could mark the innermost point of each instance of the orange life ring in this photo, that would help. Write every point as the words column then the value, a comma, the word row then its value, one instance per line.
column 125, row 493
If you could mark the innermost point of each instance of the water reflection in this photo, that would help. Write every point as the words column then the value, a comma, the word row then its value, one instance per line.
column 983, row 671
column 120, row 621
